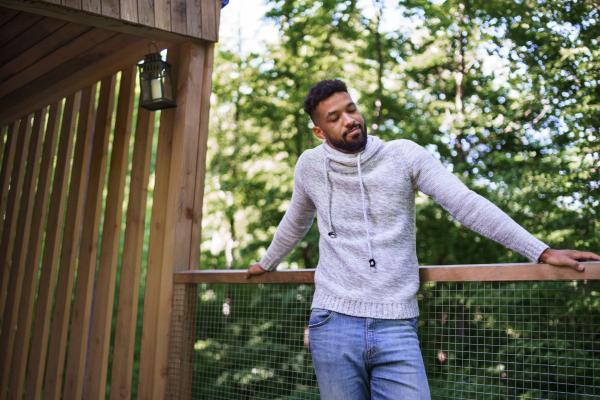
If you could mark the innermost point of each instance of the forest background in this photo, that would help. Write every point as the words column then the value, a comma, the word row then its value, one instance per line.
column 506, row 94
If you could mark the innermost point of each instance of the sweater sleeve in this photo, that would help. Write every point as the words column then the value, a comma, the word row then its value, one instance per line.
column 293, row 227
column 472, row 210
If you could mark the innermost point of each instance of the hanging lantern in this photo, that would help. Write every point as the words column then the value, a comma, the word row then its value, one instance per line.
column 155, row 82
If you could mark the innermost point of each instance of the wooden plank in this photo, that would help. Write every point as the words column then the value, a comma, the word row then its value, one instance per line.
column 436, row 273
column 38, row 73
column 146, row 12
column 3, row 130
column 162, row 14
column 6, row 15
column 110, row 57
column 141, row 29
column 178, row 16
column 93, row 6
column 123, row 353
column 129, row 10
column 111, row 8
column 154, row 271
column 209, row 25
column 12, row 208
column 70, row 246
column 194, row 18
column 29, row 38
column 17, row 270
column 41, row 328
column 201, row 166
column 218, row 7
column 82, row 304
column 33, row 255
column 42, row 49
column 76, row 4
column 95, row 384
column 180, row 200
column 16, row 26
column 7, row 164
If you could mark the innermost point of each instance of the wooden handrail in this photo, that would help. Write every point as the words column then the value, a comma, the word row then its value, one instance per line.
column 438, row 273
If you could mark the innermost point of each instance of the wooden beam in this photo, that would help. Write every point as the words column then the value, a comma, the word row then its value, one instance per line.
column 78, row 74
column 124, row 346
column 7, row 164
column 17, row 270
column 29, row 38
column 154, row 267
column 48, row 45
column 6, row 16
column 41, row 328
column 436, row 273
column 70, row 246
column 143, row 28
column 95, row 384
column 201, row 166
column 33, row 255
column 12, row 209
column 82, row 304
column 16, row 26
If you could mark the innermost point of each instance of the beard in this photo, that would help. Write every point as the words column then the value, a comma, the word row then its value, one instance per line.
column 349, row 146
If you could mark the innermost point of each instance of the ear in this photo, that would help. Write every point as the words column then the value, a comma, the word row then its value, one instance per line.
column 319, row 132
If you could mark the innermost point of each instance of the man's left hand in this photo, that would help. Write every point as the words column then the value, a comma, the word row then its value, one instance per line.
column 570, row 258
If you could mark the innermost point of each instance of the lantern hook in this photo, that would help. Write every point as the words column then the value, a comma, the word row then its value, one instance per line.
column 152, row 43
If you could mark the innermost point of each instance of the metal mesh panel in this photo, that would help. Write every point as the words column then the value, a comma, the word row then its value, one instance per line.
column 480, row 340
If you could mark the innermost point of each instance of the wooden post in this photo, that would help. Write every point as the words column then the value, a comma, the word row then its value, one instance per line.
column 23, row 228
column 80, row 321
column 41, row 328
column 131, row 264
column 7, row 164
column 70, row 242
column 95, row 381
column 33, row 254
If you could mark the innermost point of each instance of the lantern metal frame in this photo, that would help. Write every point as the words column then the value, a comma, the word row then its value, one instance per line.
column 156, row 86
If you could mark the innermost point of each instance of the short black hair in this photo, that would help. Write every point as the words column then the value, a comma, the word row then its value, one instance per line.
column 321, row 91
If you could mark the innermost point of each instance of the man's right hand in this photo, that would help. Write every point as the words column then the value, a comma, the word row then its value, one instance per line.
column 255, row 269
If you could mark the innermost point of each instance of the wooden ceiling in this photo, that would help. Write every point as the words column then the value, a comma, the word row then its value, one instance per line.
column 43, row 59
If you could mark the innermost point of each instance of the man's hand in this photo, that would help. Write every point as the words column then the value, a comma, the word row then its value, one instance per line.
column 256, row 269
column 568, row 258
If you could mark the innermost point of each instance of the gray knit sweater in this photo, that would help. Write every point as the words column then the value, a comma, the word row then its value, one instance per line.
column 365, row 206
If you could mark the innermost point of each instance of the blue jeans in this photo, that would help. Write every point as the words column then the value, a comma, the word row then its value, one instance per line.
column 365, row 358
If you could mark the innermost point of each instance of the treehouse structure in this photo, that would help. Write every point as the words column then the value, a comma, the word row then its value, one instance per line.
column 73, row 146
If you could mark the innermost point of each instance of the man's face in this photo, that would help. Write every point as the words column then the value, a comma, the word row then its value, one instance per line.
column 341, row 124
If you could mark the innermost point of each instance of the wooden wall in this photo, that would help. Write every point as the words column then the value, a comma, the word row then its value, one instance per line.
column 66, row 170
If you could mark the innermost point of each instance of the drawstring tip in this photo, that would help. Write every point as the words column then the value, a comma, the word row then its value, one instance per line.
column 332, row 235
column 372, row 263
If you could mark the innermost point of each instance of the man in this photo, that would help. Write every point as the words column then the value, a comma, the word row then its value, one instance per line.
column 362, row 329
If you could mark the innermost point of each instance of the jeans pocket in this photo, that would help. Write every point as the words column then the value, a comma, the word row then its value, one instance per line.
column 319, row 317
column 412, row 322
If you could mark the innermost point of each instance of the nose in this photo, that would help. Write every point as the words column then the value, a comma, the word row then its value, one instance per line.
column 348, row 120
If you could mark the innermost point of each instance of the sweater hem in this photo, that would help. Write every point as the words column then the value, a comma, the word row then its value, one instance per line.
column 364, row 309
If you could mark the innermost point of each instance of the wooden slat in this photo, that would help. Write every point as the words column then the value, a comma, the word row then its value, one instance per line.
column 37, row 74
column 162, row 14
column 218, row 7
column 93, row 6
column 209, row 25
column 16, row 26
column 129, row 10
column 109, row 57
column 194, row 18
column 12, row 208
column 17, row 270
column 178, row 16
column 154, row 269
column 6, row 15
column 29, row 38
column 76, row 4
column 7, row 164
column 110, row 8
column 33, row 255
column 131, row 264
column 201, row 166
column 95, row 385
column 435, row 273
column 70, row 242
column 146, row 12
column 3, row 130
column 82, row 304
column 42, row 49
column 39, row 345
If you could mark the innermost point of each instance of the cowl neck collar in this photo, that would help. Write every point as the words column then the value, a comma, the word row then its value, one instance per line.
column 342, row 162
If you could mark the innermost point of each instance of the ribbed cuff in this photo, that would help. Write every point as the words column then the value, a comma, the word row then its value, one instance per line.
column 267, row 264
column 356, row 308
column 534, row 249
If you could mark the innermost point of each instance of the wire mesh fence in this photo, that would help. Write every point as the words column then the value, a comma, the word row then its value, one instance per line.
column 480, row 340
